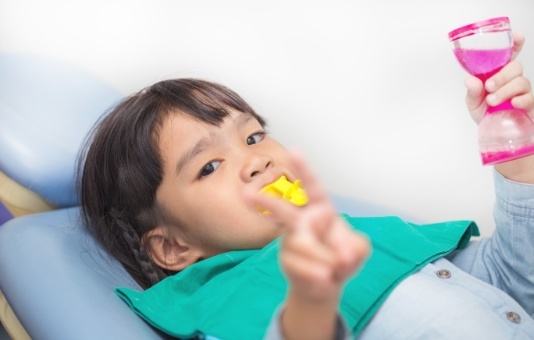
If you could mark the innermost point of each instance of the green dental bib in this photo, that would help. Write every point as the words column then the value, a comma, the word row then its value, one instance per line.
column 234, row 295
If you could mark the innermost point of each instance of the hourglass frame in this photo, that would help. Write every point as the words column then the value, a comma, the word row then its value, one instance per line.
column 483, row 48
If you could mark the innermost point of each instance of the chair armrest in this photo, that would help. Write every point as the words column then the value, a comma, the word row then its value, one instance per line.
column 60, row 284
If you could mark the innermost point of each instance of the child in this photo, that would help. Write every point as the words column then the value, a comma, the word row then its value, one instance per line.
column 170, row 184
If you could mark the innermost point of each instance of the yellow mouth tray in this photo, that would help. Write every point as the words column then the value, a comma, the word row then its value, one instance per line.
column 291, row 192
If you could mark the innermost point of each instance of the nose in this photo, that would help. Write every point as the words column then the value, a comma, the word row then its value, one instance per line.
column 255, row 164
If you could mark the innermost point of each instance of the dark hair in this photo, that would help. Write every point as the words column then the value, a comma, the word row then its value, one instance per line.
column 120, row 166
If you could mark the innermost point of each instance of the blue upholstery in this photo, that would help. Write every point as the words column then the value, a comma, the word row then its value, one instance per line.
column 59, row 283
column 46, row 108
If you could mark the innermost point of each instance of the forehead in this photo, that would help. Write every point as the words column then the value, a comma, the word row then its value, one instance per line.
column 177, row 129
column 181, row 130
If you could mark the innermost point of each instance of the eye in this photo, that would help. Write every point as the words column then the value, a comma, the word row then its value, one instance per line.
column 209, row 168
column 256, row 137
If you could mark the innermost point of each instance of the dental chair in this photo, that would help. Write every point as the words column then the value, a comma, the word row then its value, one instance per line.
column 56, row 282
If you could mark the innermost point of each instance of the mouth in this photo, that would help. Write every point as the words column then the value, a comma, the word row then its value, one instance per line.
column 291, row 192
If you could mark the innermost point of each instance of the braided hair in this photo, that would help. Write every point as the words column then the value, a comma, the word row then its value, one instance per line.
column 152, row 273
column 120, row 167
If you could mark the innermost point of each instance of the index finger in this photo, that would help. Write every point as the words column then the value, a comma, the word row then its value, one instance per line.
column 310, row 182
column 282, row 212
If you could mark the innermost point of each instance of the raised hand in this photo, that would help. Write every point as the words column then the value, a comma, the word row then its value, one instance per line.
column 508, row 83
column 319, row 253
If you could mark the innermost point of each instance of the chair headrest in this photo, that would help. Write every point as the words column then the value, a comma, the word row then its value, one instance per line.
column 47, row 107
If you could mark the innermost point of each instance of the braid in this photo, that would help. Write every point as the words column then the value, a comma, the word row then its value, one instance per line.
column 146, row 272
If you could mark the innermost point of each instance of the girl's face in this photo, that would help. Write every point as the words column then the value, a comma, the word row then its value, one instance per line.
column 206, row 169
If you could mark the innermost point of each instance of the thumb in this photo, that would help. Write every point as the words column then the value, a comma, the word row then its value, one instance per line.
column 474, row 99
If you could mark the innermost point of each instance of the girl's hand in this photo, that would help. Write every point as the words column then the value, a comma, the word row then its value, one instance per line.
column 319, row 251
column 508, row 83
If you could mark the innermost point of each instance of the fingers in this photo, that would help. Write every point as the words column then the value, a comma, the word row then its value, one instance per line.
column 517, row 89
column 316, row 220
column 524, row 102
column 280, row 211
column 351, row 250
column 348, row 248
column 519, row 41
column 511, row 71
column 309, row 260
column 306, row 258
column 319, row 210
column 506, row 84
column 319, row 250
column 311, row 184
column 510, row 83
column 474, row 97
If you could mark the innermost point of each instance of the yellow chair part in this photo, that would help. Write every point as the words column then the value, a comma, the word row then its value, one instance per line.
column 10, row 322
column 19, row 201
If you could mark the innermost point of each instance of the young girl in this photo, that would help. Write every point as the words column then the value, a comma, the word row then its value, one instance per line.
column 171, row 184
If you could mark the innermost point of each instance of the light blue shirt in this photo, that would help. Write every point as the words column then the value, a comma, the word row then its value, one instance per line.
column 485, row 291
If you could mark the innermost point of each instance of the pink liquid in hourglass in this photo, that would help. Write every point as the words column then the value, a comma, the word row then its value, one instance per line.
column 483, row 63
column 489, row 158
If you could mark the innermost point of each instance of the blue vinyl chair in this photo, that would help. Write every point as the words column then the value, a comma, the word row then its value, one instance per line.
column 58, row 282
column 55, row 279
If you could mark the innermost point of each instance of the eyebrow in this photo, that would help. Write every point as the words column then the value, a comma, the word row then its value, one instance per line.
column 204, row 142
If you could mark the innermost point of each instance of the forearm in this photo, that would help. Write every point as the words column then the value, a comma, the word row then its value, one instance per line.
column 304, row 319
column 520, row 170
column 505, row 260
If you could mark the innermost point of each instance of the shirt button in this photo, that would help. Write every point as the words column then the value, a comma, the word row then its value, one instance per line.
column 513, row 317
column 443, row 274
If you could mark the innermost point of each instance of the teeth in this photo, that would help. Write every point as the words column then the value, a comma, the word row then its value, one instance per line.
column 291, row 192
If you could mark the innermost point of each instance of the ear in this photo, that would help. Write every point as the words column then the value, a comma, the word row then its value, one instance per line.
column 169, row 252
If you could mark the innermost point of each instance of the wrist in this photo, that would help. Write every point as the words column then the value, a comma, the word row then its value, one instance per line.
column 305, row 318
column 329, row 301
column 519, row 170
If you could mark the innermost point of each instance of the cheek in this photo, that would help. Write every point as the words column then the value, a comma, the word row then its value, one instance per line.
column 227, row 209
column 214, row 202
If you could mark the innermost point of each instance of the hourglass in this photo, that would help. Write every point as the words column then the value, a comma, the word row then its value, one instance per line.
column 483, row 48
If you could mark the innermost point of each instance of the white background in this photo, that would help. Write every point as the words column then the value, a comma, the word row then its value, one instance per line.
column 368, row 90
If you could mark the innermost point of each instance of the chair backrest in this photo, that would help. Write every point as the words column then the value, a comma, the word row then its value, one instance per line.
column 47, row 106
column 57, row 280
column 60, row 284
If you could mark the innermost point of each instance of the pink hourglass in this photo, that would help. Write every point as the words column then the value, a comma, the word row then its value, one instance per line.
column 483, row 48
